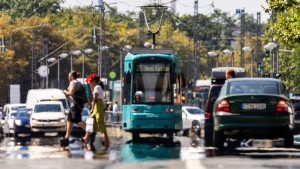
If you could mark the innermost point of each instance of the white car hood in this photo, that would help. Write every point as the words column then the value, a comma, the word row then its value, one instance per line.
column 48, row 116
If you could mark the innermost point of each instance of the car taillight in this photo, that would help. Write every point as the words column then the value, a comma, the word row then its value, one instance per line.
column 281, row 106
column 207, row 114
column 224, row 106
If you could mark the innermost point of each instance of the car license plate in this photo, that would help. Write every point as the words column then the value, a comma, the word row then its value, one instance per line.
column 263, row 143
column 256, row 106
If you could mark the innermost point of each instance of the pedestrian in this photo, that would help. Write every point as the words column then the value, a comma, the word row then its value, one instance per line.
column 76, row 105
column 230, row 73
column 114, row 112
column 97, row 110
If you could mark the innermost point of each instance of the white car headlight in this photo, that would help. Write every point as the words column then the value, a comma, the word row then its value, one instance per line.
column 62, row 120
column 18, row 122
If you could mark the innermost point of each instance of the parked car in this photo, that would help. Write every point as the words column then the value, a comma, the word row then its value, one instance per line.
column 192, row 118
column 22, row 121
column 257, row 108
column 48, row 116
column 9, row 112
column 84, row 115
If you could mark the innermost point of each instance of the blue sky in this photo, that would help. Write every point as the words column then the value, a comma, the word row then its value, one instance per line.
column 184, row 6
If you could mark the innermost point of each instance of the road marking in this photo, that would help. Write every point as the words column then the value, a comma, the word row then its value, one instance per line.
column 192, row 164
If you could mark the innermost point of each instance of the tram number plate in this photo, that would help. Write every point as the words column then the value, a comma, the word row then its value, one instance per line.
column 257, row 106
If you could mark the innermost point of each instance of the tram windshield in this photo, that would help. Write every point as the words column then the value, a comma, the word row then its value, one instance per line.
column 151, row 83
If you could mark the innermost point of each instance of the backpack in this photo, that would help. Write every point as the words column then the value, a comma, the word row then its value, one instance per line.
column 80, row 94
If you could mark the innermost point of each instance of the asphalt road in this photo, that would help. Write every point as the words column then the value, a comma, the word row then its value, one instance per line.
column 149, row 152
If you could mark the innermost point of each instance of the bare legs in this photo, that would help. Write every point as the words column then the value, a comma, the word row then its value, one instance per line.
column 70, row 125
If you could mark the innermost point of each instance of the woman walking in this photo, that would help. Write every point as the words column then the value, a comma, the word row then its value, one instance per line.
column 97, row 109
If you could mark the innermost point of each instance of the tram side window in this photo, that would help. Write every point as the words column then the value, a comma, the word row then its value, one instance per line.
column 126, row 88
column 177, row 89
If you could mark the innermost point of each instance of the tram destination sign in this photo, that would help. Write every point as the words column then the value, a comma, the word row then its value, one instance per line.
column 152, row 67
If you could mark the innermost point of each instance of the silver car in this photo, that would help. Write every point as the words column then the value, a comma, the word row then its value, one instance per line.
column 192, row 119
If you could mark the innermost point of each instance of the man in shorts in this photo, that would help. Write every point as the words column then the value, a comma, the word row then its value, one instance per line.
column 76, row 107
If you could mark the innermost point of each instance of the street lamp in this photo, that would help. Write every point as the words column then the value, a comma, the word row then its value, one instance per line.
column 61, row 56
column 249, row 49
column 231, row 53
column 214, row 54
column 85, row 51
column 48, row 60
column 75, row 53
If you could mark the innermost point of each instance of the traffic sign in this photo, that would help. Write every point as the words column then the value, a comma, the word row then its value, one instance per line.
column 112, row 75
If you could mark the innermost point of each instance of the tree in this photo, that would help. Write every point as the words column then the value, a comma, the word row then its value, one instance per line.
column 27, row 8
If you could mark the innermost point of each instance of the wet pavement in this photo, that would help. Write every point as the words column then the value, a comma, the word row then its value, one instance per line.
column 152, row 151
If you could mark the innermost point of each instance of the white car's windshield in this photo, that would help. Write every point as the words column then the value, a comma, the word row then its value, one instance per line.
column 195, row 111
column 47, row 108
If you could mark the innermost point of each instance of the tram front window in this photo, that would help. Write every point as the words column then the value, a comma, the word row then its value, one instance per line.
column 152, row 86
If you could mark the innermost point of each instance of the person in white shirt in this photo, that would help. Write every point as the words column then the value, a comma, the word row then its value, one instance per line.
column 115, row 110
column 97, row 110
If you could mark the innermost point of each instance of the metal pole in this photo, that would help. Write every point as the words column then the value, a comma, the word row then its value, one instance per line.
column 252, row 51
column 83, row 67
column 232, row 59
column 71, row 57
column 121, row 67
column 58, row 69
column 47, row 74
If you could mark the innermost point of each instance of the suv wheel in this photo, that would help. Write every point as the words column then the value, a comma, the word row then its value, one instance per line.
column 218, row 139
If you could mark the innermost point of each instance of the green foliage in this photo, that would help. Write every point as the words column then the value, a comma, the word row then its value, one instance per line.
column 27, row 8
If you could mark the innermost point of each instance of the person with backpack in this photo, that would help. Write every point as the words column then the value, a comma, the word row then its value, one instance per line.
column 97, row 110
column 77, row 100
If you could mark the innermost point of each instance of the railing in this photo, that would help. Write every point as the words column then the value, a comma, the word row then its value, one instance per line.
column 113, row 119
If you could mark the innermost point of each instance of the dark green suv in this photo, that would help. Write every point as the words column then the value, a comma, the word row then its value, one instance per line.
column 253, row 108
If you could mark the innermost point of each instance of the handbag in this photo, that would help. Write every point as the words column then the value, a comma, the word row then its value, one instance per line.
column 89, row 124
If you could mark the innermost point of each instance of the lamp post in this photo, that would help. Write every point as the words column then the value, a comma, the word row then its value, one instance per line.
column 231, row 53
column 75, row 53
column 270, row 46
column 85, row 51
column 61, row 56
column 101, row 50
column 48, row 60
column 249, row 49
column 211, row 54
column 214, row 54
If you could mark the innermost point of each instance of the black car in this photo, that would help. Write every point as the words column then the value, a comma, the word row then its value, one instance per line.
column 208, row 122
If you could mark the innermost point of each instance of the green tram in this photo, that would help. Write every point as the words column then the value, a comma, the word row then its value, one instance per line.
column 151, row 92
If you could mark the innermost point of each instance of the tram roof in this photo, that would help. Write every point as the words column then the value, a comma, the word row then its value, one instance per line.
column 152, row 51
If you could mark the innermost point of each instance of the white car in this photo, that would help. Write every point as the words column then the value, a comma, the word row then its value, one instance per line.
column 192, row 118
column 48, row 116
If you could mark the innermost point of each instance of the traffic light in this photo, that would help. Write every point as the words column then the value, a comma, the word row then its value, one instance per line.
column 267, row 54
column 258, row 66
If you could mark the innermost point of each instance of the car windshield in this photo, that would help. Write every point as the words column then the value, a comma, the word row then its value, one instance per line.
column 14, row 109
column 195, row 111
column 47, row 108
column 252, row 87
